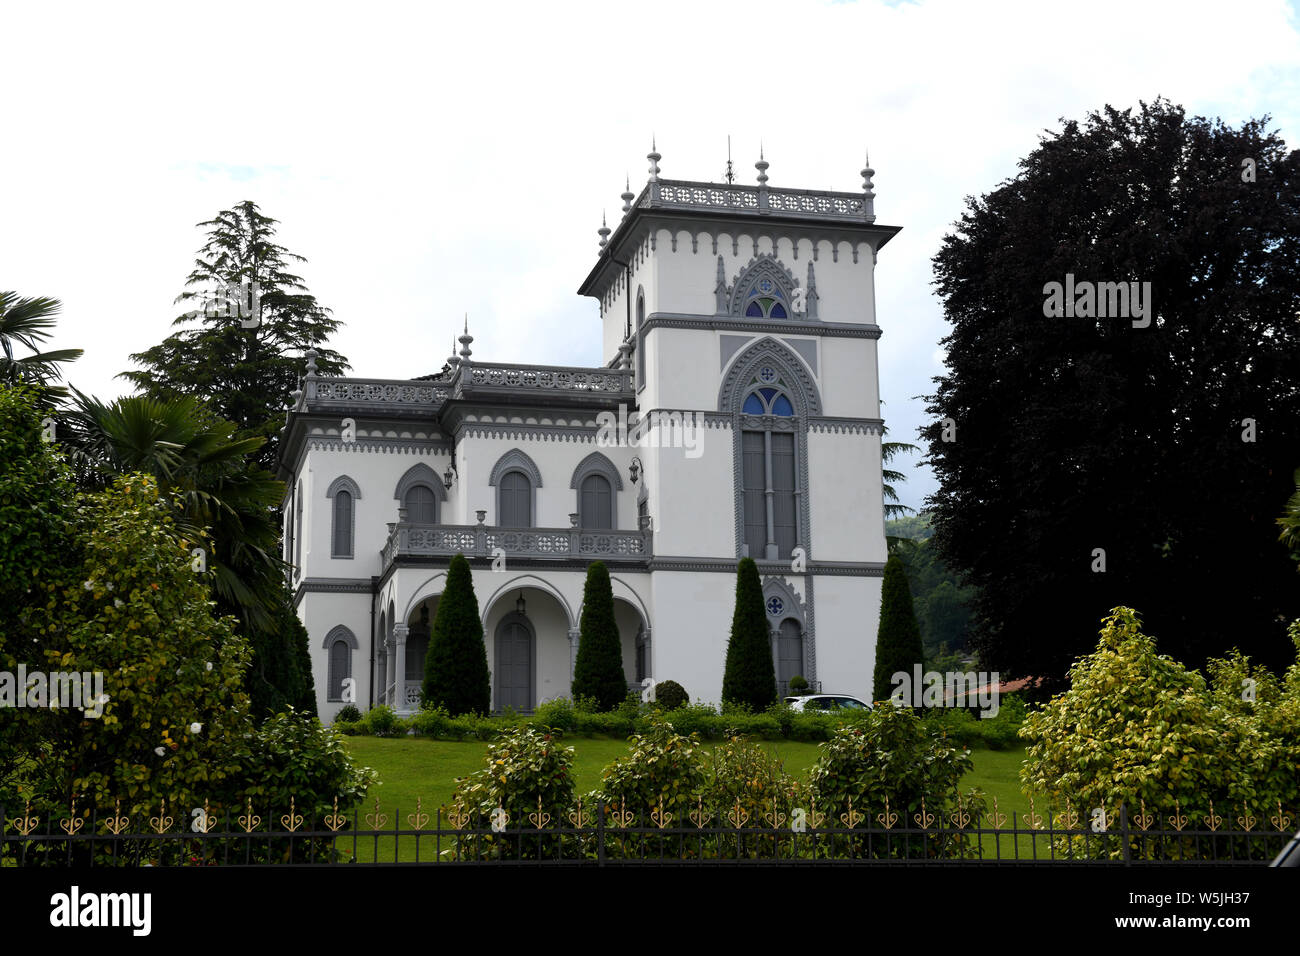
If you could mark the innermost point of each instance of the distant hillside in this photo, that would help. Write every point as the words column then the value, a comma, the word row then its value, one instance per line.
column 940, row 600
column 915, row 526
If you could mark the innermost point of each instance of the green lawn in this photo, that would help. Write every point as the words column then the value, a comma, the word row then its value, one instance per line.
column 414, row 767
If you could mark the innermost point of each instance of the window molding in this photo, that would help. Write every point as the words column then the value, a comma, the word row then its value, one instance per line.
column 516, row 460
column 338, row 634
column 801, row 389
column 420, row 474
column 343, row 483
column 596, row 463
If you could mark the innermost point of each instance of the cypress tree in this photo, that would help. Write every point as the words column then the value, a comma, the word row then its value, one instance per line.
column 456, row 671
column 898, row 639
column 750, row 676
column 598, row 671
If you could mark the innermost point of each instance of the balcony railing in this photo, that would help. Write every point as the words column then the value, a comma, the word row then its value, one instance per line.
column 407, row 539
column 757, row 200
column 413, row 397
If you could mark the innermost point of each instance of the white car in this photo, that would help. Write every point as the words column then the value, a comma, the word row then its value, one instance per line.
column 826, row 702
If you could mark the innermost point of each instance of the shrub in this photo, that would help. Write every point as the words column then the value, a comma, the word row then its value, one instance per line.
column 664, row 768
column 526, row 772
column 798, row 685
column 381, row 721
column 670, row 695
column 887, row 753
column 598, row 668
column 744, row 775
column 456, row 672
column 347, row 714
column 898, row 639
column 558, row 714
column 1137, row 727
column 749, row 677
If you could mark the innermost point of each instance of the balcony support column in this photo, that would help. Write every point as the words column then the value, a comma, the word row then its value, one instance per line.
column 399, row 686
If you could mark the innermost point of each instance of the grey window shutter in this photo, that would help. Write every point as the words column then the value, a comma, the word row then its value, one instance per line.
column 343, row 524
column 783, row 484
column 753, row 483
column 421, row 505
column 516, row 500
column 596, row 503
column 340, row 667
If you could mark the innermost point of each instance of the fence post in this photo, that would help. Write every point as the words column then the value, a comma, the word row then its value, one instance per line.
column 1123, row 830
column 600, row 832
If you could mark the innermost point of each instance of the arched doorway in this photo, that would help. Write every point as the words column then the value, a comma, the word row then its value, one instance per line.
column 514, row 653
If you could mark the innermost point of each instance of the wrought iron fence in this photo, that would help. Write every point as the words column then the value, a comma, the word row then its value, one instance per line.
column 601, row 835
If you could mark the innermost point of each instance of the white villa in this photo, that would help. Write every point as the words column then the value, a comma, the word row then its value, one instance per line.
column 738, row 415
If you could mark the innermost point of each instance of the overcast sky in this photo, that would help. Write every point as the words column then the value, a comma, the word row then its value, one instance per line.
column 431, row 160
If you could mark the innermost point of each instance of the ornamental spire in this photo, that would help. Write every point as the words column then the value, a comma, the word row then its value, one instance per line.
column 465, row 340
column 603, row 231
column 869, row 197
column 761, row 166
column 654, row 158
column 627, row 196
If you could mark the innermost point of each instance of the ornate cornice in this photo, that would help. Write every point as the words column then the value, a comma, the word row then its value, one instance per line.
column 682, row 320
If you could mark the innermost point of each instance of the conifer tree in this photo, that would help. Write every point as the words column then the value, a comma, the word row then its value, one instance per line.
column 898, row 639
column 750, row 676
column 598, row 670
column 456, row 670
column 240, row 345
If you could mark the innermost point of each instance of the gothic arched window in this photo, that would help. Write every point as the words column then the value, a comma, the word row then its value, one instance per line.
column 765, row 300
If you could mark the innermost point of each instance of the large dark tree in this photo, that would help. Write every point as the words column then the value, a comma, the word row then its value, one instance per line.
column 750, row 676
column 456, row 670
column 898, row 638
column 598, row 669
column 243, row 354
column 1086, row 433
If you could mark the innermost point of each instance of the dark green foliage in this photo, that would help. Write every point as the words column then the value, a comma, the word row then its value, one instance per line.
column 750, row 675
column 348, row 714
column 941, row 602
column 798, row 683
column 280, row 675
column 1080, row 433
column 670, row 695
column 898, row 639
column 245, row 373
column 456, row 671
column 598, row 670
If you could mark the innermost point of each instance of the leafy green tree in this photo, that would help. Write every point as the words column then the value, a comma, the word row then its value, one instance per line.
column 228, row 509
column 456, row 671
column 240, row 352
column 598, row 669
column 1290, row 521
column 750, row 675
column 1070, row 435
column 898, row 639
column 27, row 322
column 1137, row 727
column 135, row 611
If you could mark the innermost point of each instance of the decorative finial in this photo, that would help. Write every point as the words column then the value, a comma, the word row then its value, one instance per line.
column 603, row 231
column 455, row 359
column 627, row 196
column 654, row 158
column 311, row 355
column 731, row 174
column 761, row 166
column 869, row 199
column 465, row 340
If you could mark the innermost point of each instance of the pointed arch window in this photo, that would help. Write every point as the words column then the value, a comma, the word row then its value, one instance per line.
column 766, row 300
column 640, row 339
column 421, row 505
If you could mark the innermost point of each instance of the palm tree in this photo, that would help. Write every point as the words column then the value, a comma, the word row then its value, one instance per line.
column 28, row 322
column 225, row 499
